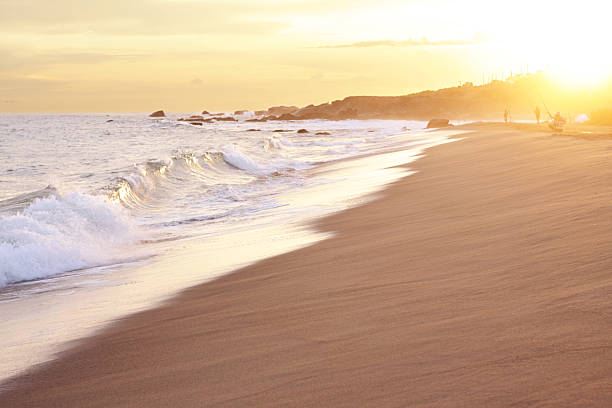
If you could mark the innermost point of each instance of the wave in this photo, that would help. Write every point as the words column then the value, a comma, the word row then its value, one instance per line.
column 233, row 156
column 44, row 233
column 60, row 233
column 278, row 143
column 22, row 201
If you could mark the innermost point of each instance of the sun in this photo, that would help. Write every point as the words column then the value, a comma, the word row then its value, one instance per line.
column 580, row 63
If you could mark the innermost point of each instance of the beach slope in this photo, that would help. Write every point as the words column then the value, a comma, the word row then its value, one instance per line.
column 484, row 280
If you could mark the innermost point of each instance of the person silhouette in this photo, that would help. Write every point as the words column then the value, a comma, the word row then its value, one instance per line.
column 537, row 114
column 506, row 115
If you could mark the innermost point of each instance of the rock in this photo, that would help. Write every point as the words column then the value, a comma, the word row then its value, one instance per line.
column 108, row 121
column 260, row 113
column 193, row 117
column 302, row 131
column 205, row 113
column 257, row 120
column 280, row 110
column 240, row 112
column 226, row 119
column 349, row 113
column 196, row 123
column 253, row 130
column 438, row 123
column 158, row 114
column 323, row 133
column 280, row 130
column 287, row 116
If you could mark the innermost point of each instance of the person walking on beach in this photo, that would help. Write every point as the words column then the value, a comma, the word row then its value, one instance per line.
column 537, row 113
column 506, row 115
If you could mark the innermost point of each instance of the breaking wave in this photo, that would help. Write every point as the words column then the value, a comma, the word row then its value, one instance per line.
column 59, row 233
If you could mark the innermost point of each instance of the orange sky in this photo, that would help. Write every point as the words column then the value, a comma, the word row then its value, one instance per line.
column 189, row 55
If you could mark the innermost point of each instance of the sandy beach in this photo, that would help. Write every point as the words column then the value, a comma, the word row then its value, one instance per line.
column 484, row 280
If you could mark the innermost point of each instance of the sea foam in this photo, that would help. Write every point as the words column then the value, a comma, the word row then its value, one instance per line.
column 61, row 233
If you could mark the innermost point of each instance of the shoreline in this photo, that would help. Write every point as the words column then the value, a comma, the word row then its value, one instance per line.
column 449, row 289
column 44, row 318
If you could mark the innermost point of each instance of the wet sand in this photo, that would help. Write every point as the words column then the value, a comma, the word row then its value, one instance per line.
column 483, row 280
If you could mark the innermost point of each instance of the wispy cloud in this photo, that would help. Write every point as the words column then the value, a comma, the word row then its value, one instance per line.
column 406, row 43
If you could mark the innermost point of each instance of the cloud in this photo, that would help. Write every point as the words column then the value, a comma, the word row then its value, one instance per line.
column 134, row 17
column 27, row 61
column 406, row 43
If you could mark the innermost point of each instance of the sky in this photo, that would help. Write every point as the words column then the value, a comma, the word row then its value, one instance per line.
column 190, row 55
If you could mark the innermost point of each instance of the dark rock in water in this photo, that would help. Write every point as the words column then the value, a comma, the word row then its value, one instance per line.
column 194, row 117
column 240, row 112
column 158, row 114
column 205, row 113
column 302, row 131
column 280, row 130
column 253, row 130
column 108, row 121
column 257, row 120
column 217, row 114
column 226, row 119
column 438, row 123
column 196, row 123
column 323, row 133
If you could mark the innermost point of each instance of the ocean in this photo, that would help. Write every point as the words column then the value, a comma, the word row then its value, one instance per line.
column 102, row 215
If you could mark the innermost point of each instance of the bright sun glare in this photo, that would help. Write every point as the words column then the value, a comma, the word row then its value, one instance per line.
column 567, row 40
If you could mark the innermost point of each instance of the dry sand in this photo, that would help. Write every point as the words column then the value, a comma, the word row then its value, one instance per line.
column 485, row 280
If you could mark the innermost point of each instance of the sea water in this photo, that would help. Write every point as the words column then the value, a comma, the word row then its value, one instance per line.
column 107, row 214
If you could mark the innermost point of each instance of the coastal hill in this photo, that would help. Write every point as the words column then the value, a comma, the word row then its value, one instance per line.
column 520, row 94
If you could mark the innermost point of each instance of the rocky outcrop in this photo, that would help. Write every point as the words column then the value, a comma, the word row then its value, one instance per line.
column 438, row 123
column 303, row 131
column 240, row 112
column 158, row 114
column 281, row 110
column 257, row 120
column 348, row 113
column 323, row 133
column 226, row 119
column 205, row 113
column 253, row 130
column 287, row 116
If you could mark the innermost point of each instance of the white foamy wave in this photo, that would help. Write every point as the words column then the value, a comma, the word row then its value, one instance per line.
column 233, row 156
column 273, row 143
column 61, row 233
